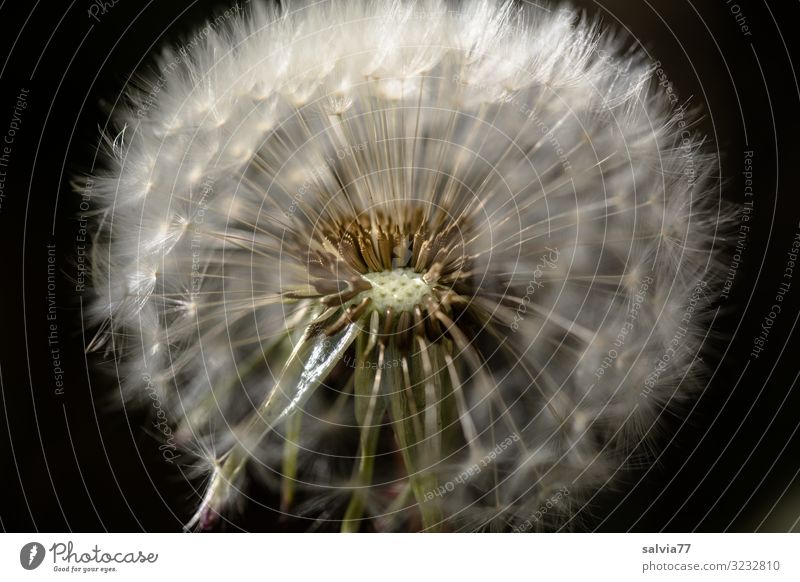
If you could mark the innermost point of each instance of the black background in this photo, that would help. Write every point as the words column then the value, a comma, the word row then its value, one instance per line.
column 73, row 462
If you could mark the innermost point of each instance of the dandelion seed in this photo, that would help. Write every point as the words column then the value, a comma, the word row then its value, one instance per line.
column 415, row 266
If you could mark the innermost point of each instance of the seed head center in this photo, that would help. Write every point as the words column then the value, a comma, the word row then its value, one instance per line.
column 400, row 289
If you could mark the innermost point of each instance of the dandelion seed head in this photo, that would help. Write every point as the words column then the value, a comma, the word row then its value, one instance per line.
column 414, row 265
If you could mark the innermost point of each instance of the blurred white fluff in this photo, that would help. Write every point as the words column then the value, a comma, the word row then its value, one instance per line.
column 566, row 307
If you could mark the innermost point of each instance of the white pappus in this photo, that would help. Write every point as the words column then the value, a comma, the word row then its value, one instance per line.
column 412, row 265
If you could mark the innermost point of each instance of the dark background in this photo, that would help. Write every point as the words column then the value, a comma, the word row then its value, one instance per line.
column 71, row 462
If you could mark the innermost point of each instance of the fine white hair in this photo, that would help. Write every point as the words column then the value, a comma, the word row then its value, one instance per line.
column 544, row 216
